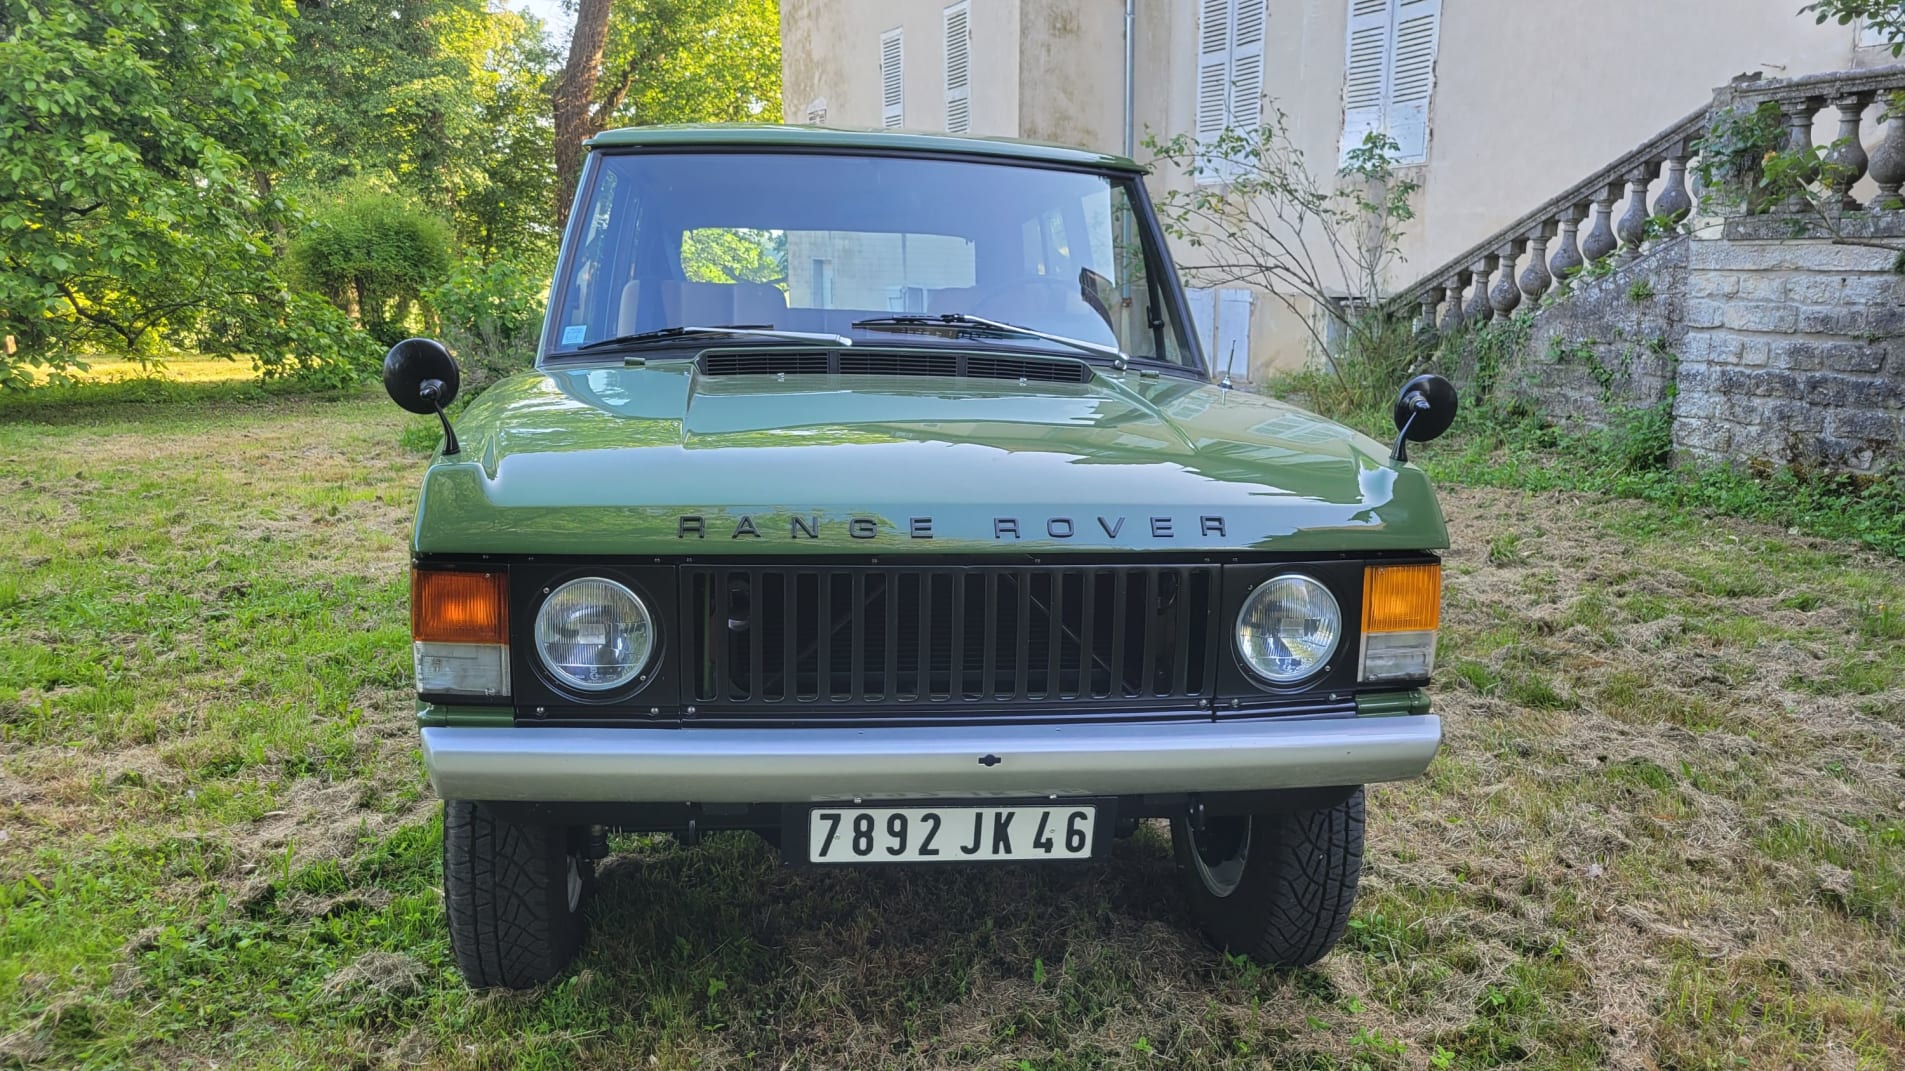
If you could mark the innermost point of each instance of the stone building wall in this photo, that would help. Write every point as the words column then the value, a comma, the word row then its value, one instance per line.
column 1794, row 355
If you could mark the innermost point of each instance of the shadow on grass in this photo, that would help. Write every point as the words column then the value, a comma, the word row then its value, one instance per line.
column 157, row 400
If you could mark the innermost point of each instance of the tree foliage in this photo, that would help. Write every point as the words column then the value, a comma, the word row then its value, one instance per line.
column 1886, row 17
column 133, row 139
column 1257, row 214
column 375, row 255
column 662, row 61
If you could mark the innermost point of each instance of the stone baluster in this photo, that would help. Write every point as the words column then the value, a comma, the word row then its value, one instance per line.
column 1535, row 279
column 1888, row 164
column 1674, row 202
column 1600, row 239
column 1846, row 160
column 1505, row 295
column 1425, row 320
column 1632, row 228
column 1567, row 259
column 1799, row 115
column 1479, row 310
column 1452, row 320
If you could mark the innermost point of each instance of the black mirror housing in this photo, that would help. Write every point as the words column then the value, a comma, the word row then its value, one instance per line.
column 1424, row 410
column 420, row 375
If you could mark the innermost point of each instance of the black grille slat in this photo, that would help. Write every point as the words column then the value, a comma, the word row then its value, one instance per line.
column 766, row 639
column 860, row 362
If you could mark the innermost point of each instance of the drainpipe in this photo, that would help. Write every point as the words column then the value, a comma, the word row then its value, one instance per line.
column 1130, row 46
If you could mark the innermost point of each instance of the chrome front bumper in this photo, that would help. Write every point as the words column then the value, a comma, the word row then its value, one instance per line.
column 802, row 765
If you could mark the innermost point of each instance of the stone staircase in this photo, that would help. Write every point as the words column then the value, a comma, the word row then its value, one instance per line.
column 1774, row 338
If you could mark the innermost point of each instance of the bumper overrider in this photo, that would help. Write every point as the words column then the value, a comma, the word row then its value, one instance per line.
column 793, row 765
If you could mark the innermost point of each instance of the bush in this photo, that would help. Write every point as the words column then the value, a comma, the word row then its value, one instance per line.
column 491, row 317
column 375, row 255
column 297, row 337
column 1360, row 382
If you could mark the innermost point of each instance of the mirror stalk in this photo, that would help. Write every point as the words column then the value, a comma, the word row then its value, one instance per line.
column 1418, row 402
column 431, row 390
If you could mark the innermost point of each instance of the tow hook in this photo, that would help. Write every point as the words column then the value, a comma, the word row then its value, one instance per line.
column 598, row 842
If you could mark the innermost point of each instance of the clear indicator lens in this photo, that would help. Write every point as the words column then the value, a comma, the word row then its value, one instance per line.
column 1288, row 628
column 594, row 634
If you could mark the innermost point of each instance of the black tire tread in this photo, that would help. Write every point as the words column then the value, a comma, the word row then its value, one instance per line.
column 505, row 889
column 1299, row 886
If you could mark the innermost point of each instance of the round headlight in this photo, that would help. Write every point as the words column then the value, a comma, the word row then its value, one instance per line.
column 1288, row 628
column 594, row 634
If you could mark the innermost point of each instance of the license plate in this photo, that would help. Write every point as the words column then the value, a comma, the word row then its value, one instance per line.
column 951, row 834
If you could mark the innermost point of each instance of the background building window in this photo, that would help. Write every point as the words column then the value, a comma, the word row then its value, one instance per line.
column 959, row 68
column 1229, row 72
column 892, row 81
column 1390, row 74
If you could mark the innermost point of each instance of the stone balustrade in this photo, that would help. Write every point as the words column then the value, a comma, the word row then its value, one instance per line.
column 1608, row 214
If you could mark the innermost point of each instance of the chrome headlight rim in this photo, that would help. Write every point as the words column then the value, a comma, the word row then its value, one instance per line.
column 1323, row 663
column 634, row 679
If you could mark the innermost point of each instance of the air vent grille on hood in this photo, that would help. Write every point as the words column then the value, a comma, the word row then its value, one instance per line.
column 892, row 363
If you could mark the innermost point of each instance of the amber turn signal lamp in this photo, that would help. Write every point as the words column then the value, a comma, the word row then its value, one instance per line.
column 1402, row 598
column 452, row 607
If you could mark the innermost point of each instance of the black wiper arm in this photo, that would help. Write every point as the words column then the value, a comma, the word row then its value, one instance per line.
column 956, row 320
column 665, row 334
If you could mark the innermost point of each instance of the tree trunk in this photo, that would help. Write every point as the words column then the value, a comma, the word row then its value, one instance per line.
column 576, row 117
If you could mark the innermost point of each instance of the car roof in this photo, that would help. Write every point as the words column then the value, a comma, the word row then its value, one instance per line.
column 771, row 136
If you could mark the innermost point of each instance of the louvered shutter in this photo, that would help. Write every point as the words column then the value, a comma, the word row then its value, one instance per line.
column 1412, row 77
column 1366, row 71
column 892, row 81
column 958, row 68
column 1213, row 71
column 1246, row 64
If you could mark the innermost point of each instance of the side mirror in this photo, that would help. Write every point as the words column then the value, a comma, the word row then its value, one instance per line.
column 421, row 376
column 1424, row 410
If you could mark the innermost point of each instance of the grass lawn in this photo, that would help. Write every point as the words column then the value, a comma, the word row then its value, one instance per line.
column 1668, row 829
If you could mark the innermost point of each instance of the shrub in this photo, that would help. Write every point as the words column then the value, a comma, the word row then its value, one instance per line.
column 375, row 255
column 490, row 318
column 297, row 337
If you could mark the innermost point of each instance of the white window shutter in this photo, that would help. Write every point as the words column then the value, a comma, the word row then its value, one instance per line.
column 958, row 22
column 892, row 80
column 1246, row 64
column 1412, row 77
column 1233, row 332
column 1366, row 71
column 1213, row 72
column 1202, row 301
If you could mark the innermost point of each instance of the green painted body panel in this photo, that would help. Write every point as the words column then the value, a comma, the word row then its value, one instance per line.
column 772, row 136
column 607, row 459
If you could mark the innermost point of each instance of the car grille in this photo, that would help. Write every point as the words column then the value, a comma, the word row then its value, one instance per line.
column 791, row 640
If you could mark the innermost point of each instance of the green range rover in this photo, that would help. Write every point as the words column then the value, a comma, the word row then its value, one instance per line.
column 870, row 492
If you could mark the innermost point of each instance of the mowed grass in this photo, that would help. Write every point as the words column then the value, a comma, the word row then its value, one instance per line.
column 1668, row 829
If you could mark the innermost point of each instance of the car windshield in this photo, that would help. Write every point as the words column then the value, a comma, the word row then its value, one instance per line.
column 814, row 242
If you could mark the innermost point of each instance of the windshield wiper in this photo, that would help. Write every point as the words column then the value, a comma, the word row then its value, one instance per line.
column 665, row 334
column 956, row 320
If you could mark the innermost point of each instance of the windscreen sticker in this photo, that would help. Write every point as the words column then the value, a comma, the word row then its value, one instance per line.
column 574, row 333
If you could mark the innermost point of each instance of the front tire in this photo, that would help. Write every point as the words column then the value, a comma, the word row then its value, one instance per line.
column 1277, row 887
column 514, row 894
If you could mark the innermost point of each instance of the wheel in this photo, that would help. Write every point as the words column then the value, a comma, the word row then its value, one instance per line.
column 1276, row 887
column 514, row 894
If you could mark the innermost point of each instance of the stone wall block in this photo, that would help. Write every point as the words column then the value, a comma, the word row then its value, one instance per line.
column 1763, row 317
column 1703, row 313
column 1798, row 356
column 1756, row 352
column 1860, row 289
column 1817, row 289
column 1865, row 425
column 1762, row 286
column 1713, row 284
column 1853, row 356
column 1886, row 320
column 1833, row 320
column 1806, row 256
column 1793, row 416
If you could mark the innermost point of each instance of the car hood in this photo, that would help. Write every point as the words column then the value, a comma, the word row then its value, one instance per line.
column 663, row 459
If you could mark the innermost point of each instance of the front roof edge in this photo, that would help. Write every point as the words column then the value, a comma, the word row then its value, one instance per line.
column 781, row 136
